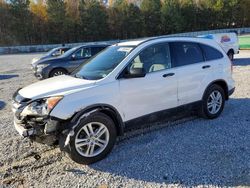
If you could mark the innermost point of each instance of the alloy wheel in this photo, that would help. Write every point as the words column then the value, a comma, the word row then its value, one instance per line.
column 214, row 102
column 92, row 139
column 58, row 73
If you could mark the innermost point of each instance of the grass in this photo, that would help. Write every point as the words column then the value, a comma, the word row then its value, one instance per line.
column 244, row 42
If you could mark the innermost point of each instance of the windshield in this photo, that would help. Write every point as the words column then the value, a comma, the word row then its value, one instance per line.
column 67, row 53
column 103, row 63
column 49, row 53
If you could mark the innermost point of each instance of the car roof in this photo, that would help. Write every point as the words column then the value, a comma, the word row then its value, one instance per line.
column 167, row 39
column 93, row 45
column 61, row 47
column 131, row 43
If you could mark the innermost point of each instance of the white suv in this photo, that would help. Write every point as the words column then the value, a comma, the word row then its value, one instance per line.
column 125, row 83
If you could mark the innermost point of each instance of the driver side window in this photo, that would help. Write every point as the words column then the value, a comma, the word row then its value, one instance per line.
column 153, row 58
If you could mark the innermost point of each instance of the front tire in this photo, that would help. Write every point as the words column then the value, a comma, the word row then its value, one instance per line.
column 213, row 102
column 93, row 139
column 57, row 72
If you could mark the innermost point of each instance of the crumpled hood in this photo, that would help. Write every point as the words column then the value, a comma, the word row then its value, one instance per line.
column 59, row 85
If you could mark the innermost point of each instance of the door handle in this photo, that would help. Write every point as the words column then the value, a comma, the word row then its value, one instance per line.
column 168, row 75
column 206, row 66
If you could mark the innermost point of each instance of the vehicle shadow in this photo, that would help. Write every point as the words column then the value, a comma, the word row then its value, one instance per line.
column 2, row 105
column 197, row 152
column 8, row 76
column 241, row 61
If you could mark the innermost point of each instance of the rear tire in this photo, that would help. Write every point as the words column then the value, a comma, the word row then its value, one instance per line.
column 213, row 102
column 57, row 72
column 93, row 139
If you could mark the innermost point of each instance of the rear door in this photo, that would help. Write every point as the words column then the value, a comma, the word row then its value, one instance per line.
column 193, row 71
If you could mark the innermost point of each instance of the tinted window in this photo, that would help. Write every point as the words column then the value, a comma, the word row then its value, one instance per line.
column 95, row 50
column 153, row 58
column 83, row 53
column 185, row 53
column 211, row 53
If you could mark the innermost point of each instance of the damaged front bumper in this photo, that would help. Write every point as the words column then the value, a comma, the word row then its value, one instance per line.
column 23, row 131
column 46, row 132
column 44, row 129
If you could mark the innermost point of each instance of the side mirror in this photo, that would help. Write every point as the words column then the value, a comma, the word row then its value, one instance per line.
column 135, row 73
column 73, row 57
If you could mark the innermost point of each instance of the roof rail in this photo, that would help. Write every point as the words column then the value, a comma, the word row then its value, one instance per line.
column 162, row 37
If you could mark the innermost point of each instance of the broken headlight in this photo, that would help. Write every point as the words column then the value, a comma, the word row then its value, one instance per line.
column 41, row 107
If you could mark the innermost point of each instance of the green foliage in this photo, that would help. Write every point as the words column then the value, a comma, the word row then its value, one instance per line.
column 56, row 17
column 93, row 20
column 170, row 13
column 21, row 19
column 151, row 17
column 125, row 20
column 6, row 36
column 62, row 21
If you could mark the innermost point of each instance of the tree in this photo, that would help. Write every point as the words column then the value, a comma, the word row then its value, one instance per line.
column 133, row 21
column 93, row 20
column 21, row 20
column 72, row 21
column 125, row 20
column 39, row 22
column 61, row 21
column 56, row 17
column 151, row 15
column 189, row 12
column 171, row 17
column 244, row 13
column 6, row 36
column 115, row 22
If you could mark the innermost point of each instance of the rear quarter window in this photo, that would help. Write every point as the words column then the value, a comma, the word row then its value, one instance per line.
column 211, row 53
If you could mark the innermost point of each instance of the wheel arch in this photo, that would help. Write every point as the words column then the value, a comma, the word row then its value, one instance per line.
column 103, row 108
column 222, row 84
column 230, row 50
column 55, row 68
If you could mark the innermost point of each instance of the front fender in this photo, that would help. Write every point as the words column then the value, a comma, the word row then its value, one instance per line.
column 78, row 101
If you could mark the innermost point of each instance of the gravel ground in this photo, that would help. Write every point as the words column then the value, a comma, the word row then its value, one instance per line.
column 190, row 152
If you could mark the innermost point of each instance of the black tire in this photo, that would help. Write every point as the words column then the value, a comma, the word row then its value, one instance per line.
column 57, row 72
column 231, row 55
column 205, row 110
column 71, row 149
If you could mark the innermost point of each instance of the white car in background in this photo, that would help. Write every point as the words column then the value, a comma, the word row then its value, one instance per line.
column 228, row 41
column 126, row 85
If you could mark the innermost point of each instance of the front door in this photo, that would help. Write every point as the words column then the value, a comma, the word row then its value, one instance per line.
column 79, row 57
column 156, row 91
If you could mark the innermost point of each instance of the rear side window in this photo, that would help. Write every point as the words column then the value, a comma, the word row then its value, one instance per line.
column 185, row 53
column 211, row 53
